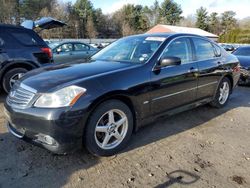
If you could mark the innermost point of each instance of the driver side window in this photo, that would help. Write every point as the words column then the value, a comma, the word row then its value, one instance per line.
column 65, row 48
column 179, row 48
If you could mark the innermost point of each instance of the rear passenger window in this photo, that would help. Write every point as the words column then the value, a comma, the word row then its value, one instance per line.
column 81, row 47
column 179, row 48
column 24, row 38
column 204, row 49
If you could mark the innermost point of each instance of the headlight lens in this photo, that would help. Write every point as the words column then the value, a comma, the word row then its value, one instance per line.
column 61, row 98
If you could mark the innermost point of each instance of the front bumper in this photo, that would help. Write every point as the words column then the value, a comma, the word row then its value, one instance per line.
column 58, row 130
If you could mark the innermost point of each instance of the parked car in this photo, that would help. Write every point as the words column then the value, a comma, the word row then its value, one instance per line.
column 243, row 54
column 126, row 85
column 21, row 50
column 228, row 47
column 65, row 52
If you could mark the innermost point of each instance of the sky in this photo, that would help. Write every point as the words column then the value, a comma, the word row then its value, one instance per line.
column 241, row 7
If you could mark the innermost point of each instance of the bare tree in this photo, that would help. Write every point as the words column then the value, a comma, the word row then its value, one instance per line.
column 92, row 33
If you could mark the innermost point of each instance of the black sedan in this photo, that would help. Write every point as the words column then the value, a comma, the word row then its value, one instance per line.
column 126, row 85
column 243, row 54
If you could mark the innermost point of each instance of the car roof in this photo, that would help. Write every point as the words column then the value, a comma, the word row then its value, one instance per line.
column 10, row 26
column 166, row 35
column 68, row 41
column 243, row 47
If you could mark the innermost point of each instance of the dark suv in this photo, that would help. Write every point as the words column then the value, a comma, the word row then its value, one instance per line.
column 21, row 50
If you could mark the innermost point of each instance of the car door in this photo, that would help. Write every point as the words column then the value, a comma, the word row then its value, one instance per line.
column 63, row 53
column 81, row 51
column 174, row 86
column 210, row 64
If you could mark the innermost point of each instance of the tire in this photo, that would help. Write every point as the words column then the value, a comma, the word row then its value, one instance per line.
column 219, row 101
column 94, row 136
column 8, row 76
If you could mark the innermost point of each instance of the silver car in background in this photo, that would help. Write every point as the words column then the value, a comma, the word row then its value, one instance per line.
column 66, row 52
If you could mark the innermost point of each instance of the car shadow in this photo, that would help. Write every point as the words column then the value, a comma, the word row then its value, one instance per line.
column 25, row 165
column 165, row 127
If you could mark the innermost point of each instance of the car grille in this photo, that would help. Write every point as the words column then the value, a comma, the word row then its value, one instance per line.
column 21, row 96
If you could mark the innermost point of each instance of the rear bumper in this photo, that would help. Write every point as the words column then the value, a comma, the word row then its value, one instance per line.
column 58, row 130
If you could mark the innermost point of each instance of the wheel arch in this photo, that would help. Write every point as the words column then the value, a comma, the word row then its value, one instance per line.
column 27, row 65
column 116, row 95
column 230, row 77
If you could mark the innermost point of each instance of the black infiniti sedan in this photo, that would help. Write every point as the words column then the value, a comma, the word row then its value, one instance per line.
column 243, row 54
column 130, row 83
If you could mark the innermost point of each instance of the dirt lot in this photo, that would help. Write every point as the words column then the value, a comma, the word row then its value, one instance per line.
column 204, row 147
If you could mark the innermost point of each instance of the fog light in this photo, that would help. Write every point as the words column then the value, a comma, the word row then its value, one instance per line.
column 46, row 139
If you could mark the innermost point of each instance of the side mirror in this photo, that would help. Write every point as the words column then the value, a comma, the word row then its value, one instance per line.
column 58, row 50
column 169, row 61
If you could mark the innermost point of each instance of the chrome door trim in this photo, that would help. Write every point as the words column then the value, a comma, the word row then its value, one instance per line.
column 183, row 91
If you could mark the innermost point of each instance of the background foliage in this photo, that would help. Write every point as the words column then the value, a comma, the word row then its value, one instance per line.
column 84, row 21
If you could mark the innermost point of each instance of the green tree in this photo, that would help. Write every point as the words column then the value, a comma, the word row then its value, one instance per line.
column 83, row 10
column 170, row 12
column 202, row 19
column 228, row 21
column 214, row 23
column 152, row 14
column 30, row 9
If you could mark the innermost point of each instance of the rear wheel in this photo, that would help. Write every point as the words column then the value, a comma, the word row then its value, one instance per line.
column 109, row 128
column 222, row 94
column 11, row 77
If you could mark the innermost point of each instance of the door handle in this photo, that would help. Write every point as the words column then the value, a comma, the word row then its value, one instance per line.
column 193, row 70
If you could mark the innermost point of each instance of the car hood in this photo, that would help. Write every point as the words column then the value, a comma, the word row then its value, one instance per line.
column 49, row 78
column 244, row 61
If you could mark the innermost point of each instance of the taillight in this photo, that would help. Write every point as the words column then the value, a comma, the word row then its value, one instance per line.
column 236, row 68
column 47, row 51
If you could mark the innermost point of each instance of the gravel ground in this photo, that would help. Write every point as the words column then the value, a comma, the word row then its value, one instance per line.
column 204, row 147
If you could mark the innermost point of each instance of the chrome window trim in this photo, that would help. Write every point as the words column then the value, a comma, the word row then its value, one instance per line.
column 183, row 91
column 194, row 61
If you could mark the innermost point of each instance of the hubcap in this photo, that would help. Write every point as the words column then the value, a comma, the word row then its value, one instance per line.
column 111, row 129
column 14, row 78
column 224, row 92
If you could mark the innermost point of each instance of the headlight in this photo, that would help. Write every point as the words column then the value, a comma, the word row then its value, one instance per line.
column 61, row 98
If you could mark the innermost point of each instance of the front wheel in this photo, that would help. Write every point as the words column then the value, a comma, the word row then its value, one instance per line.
column 222, row 93
column 109, row 128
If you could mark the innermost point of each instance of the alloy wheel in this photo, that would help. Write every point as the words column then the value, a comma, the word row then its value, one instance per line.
column 224, row 93
column 111, row 129
column 14, row 78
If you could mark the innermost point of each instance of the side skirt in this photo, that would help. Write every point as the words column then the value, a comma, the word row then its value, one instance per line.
column 151, row 119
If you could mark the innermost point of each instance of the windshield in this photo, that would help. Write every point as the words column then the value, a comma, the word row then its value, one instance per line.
column 242, row 51
column 132, row 49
